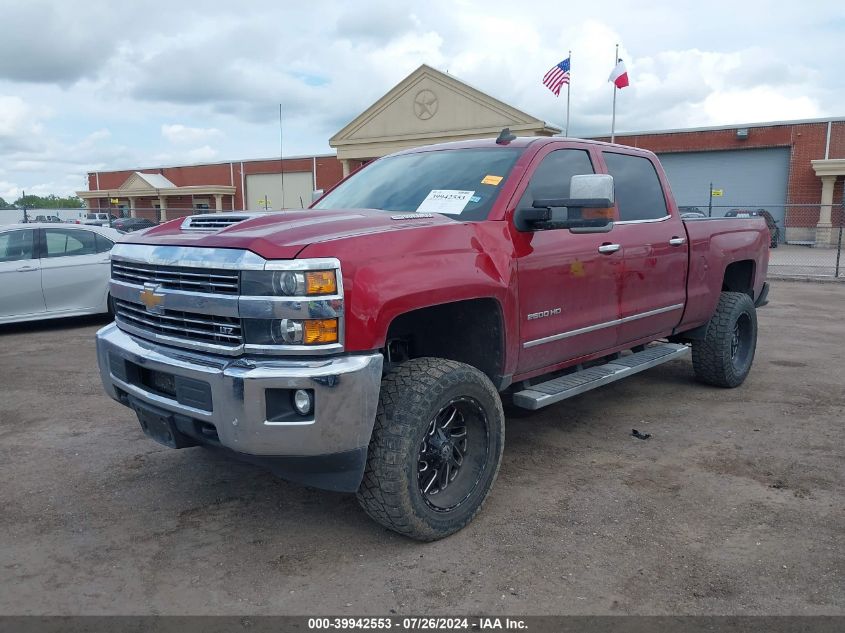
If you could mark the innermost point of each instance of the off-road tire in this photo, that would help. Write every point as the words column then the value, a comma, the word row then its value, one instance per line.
column 412, row 395
column 715, row 359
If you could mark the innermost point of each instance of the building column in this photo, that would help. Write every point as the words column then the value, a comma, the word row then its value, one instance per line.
column 132, row 205
column 345, row 164
column 218, row 202
column 824, row 229
column 88, row 203
column 162, row 201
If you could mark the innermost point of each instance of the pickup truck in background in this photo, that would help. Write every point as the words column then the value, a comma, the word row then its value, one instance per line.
column 367, row 344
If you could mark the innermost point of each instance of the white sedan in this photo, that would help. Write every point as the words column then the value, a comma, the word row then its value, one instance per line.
column 49, row 270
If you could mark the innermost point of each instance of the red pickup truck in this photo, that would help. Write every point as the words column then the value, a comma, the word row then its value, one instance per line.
column 367, row 344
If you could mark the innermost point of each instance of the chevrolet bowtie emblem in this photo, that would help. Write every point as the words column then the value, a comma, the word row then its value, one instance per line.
column 151, row 299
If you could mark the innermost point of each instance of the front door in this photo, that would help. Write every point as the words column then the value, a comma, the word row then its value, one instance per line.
column 20, row 274
column 568, row 283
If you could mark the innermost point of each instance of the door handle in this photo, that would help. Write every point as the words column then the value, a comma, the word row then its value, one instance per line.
column 607, row 249
column 26, row 269
column 677, row 241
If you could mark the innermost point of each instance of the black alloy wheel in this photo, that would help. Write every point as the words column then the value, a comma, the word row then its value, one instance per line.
column 452, row 454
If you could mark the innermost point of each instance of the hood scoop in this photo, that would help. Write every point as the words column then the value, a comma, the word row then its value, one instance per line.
column 212, row 222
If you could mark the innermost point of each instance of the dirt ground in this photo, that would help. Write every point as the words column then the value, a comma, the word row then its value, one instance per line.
column 735, row 505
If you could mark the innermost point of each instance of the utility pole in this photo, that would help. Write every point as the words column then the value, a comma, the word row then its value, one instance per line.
column 25, row 217
column 281, row 155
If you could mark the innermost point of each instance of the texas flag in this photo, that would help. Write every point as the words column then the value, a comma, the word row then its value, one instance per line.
column 619, row 76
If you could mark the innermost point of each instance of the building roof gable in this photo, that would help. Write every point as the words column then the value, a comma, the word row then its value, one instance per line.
column 139, row 181
column 430, row 104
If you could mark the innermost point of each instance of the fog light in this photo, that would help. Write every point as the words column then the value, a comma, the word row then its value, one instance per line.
column 302, row 401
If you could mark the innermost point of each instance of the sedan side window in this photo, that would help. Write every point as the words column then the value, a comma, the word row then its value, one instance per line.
column 17, row 245
column 69, row 242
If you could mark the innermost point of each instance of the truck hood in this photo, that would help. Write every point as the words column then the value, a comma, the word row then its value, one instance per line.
column 282, row 234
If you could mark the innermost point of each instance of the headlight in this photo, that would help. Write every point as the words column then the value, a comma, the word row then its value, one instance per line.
column 288, row 283
column 290, row 331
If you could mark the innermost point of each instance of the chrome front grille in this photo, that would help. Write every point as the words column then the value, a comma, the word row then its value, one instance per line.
column 191, row 326
column 204, row 280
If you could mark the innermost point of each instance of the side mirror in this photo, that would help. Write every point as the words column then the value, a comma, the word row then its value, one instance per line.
column 587, row 191
column 316, row 195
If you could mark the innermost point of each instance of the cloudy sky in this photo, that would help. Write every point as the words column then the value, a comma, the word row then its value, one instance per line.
column 93, row 84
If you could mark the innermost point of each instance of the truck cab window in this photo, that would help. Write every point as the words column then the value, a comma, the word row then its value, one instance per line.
column 551, row 178
column 639, row 195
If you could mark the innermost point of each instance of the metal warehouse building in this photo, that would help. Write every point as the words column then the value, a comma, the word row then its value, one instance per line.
column 793, row 169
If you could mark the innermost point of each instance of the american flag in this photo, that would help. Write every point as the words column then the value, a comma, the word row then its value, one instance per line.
column 557, row 76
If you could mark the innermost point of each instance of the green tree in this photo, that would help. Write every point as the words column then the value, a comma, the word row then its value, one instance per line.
column 6, row 205
column 49, row 202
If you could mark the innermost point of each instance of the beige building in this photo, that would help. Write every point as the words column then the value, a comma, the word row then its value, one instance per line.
column 426, row 107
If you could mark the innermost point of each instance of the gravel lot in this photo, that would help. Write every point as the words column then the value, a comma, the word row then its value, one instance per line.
column 734, row 506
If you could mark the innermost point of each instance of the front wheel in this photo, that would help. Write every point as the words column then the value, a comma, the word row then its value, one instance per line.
column 435, row 450
column 725, row 355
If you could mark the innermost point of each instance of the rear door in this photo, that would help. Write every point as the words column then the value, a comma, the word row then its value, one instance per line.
column 20, row 274
column 74, row 269
column 568, row 290
column 653, row 238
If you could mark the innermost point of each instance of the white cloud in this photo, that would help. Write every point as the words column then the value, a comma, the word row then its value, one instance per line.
column 759, row 103
column 202, row 153
column 9, row 191
column 183, row 134
column 193, row 155
column 20, row 123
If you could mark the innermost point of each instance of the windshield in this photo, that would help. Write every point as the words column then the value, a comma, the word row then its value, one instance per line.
column 461, row 183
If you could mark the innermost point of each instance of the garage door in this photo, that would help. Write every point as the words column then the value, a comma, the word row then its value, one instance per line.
column 297, row 190
column 749, row 179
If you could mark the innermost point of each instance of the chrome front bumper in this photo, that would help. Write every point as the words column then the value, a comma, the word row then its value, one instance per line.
column 346, row 391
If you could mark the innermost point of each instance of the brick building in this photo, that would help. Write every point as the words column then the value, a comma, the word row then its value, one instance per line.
column 793, row 169
column 163, row 193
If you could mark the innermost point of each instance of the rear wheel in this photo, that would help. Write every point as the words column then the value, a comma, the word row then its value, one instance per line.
column 725, row 355
column 435, row 449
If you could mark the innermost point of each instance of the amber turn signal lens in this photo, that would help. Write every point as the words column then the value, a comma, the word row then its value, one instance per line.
column 320, row 282
column 597, row 214
column 319, row 331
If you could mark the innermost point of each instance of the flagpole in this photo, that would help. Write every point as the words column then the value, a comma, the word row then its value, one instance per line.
column 568, row 84
column 613, row 118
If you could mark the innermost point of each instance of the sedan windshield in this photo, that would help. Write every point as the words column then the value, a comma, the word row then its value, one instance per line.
column 461, row 183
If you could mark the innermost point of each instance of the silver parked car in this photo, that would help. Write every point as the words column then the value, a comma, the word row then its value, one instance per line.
column 51, row 271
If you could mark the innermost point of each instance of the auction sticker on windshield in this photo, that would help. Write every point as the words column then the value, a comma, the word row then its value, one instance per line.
column 449, row 201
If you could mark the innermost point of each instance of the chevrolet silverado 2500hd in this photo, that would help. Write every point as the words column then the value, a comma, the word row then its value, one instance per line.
column 367, row 344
